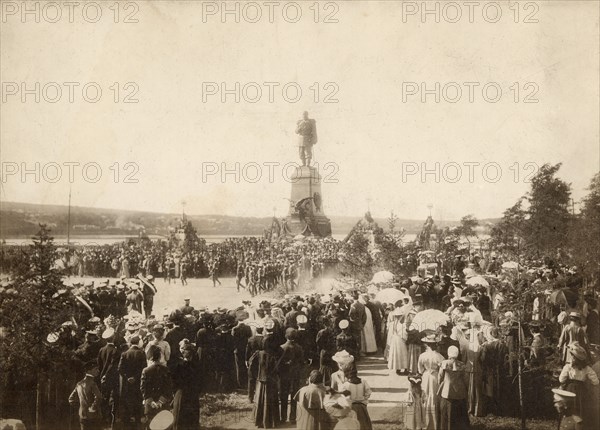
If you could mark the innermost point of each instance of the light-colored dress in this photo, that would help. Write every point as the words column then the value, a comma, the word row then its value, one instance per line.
column 429, row 366
column 359, row 395
column 414, row 417
column 368, row 344
column 398, row 355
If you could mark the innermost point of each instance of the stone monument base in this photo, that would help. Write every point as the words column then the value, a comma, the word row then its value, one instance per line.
column 306, row 214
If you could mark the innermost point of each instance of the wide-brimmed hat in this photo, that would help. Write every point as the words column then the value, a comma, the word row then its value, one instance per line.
column 108, row 333
column 563, row 395
column 343, row 357
column 575, row 315
column 577, row 350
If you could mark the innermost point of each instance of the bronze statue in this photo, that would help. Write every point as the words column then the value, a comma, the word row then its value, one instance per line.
column 306, row 129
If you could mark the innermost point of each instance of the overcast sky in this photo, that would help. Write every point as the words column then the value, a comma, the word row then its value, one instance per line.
column 372, row 144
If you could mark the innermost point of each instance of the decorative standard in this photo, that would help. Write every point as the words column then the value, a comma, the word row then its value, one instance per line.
column 306, row 215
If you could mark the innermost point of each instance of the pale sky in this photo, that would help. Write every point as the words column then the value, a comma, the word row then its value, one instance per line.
column 373, row 137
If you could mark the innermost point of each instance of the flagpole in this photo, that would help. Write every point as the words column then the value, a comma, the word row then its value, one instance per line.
column 69, row 219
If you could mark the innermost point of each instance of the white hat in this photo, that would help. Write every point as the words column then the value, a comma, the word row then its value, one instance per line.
column 343, row 324
column 563, row 395
column 452, row 352
column 109, row 332
column 343, row 357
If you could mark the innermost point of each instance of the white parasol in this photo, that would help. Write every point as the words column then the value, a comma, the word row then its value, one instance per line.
column 389, row 295
column 478, row 280
column 430, row 319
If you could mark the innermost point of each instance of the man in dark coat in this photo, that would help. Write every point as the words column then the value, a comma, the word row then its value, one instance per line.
column 358, row 318
column 174, row 336
column 155, row 385
column 290, row 367
column 241, row 333
column 254, row 345
column 108, row 363
column 133, row 362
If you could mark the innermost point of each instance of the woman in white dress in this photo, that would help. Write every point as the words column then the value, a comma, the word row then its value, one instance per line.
column 368, row 344
column 398, row 355
column 429, row 365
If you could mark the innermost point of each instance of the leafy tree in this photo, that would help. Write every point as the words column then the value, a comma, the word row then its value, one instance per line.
column 586, row 252
column 356, row 260
column 547, row 226
column 507, row 235
column 31, row 309
column 467, row 227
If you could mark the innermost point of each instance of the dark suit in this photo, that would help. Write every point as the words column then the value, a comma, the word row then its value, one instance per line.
column 290, row 367
column 156, row 387
column 254, row 345
column 358, row 319
column 173, row 337
column 133, row 362
column 108, row 363
column 240, row 334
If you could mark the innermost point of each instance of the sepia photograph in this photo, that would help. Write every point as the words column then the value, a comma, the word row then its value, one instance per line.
column 309, row 214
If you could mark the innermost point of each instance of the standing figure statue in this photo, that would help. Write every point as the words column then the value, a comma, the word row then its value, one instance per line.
column 306, row 129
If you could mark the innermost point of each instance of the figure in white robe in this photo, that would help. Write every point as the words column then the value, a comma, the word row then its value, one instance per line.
column 368, row 343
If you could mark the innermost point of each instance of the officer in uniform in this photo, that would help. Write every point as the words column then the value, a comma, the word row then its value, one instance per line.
column 307, row 130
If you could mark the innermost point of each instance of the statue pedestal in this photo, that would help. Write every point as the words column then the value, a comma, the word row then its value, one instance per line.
column 306, row 214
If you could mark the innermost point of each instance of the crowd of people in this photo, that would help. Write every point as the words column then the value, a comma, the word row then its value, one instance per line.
column 454, row 332
column 296, row 357
column 258, row 264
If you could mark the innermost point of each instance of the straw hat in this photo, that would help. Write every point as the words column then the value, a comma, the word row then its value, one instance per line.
column 343, row 357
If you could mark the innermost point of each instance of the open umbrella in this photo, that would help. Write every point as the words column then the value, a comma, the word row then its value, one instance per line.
column 389, row 295
column 382, row 277
column 478, row 280
column 430, row 319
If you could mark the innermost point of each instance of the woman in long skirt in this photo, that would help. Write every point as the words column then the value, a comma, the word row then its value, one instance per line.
column 368, row 344
column 186, row 384
column 454, row 377
column 413, row 340
column 429, row 366
column 266, row 398
column 398, row 354
column 574, row 377
column 359, row 396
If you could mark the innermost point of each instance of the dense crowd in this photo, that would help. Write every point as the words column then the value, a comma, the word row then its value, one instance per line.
column 457, row 341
